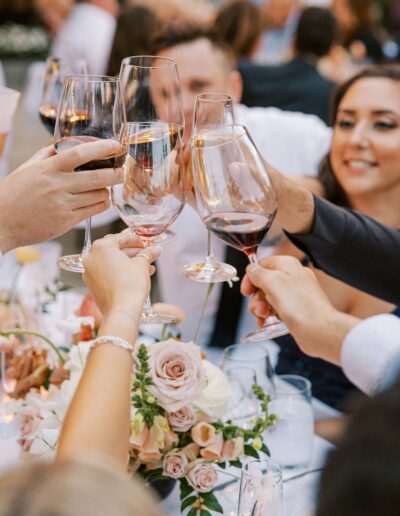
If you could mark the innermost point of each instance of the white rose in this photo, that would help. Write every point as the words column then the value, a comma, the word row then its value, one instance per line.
column 78, row 356
column 73, row 323
column 214, row 398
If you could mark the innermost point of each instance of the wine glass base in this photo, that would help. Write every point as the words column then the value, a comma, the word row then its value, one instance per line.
column 71, row 263
column 271, row 330
column 204, row 273
column 165, row 238
column 154, row 318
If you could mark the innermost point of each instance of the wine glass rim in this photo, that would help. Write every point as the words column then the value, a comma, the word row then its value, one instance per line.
column 91, row 78
column 218, row 96
column 273, row 467
column 127, row 61
column 247, row 359
column 57, row 59
column 300, row 391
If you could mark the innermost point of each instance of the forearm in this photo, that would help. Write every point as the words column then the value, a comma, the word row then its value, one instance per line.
column 295, row 205
column 98, row 419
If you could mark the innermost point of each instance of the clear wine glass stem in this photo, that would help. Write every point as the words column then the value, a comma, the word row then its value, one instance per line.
column 210, row 258
column 88, row 236
column 147, row 308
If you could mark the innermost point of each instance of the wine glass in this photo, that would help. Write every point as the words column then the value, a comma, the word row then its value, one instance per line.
column 56, row 71
column 235, row 198
column 8, row 105
column 243, row 406
column 151, row 90
column 261, row 491
column 90, row 108
column 211, row 111
column 153, row 190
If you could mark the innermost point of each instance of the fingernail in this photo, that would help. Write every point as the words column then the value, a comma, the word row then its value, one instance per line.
column 253, row 267
column 156, row 250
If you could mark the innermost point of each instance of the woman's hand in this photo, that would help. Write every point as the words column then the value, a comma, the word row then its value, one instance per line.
column 117, row 272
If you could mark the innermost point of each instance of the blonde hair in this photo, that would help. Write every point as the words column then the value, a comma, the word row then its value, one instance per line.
column 72, row 488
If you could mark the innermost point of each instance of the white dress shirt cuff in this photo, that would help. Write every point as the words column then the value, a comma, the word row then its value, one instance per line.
column 369, row 349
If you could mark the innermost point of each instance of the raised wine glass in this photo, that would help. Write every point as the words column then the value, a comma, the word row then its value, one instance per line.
column 56, row 71
column 153, row 190
column 152, row 93
column 235, row 197
column 90, row 108
column 211, row 111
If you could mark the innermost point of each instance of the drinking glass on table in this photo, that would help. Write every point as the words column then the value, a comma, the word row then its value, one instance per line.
column 290, row 440
column 261, row 492
column 235, row 197
column 8, row 105
column 56, row 71
column 254, row 357
column 152, row 93
column 153, row 190
column 211, row 111
column 243, row 405
column 90, row 108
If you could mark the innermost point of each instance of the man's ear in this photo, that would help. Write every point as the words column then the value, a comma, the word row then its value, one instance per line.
column 236, row 87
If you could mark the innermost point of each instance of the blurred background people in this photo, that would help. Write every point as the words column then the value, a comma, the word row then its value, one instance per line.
column 296, row 85
column 88, row 33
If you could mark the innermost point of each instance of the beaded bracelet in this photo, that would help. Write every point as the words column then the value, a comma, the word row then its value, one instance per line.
column 115, row 341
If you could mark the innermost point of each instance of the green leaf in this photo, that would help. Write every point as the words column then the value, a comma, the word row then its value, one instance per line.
column 221, row 465
column 265, row 449
column 210, row 501
column 188, row 502
column 249, row 450
column 186, row 489
column 203, row 512
column 192, row 512
column 236, row 463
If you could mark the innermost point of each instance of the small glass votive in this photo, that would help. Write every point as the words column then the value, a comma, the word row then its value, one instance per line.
column 261, row 492
column 8, row 105
column 290, row 440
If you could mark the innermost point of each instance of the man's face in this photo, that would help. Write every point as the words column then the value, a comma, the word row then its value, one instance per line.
column 202, row 69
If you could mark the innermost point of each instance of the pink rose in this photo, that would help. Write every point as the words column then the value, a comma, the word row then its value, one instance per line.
column 175, row 464
column 233, row 448
column 177, row 373
column 201, row 476
column 182, row 420
column 213, row 450
column 29, row 420
column 203, row 434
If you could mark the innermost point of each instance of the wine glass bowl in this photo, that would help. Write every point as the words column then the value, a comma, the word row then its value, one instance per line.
column 56, row 71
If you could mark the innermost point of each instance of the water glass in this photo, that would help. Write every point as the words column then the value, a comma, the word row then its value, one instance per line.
column 261, row 492
column 254, row 356
column 243, row 405
column 290, row 439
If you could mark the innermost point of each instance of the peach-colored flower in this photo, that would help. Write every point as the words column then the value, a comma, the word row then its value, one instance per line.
column 182, row 420
column 170, row 440
column 175, row 464
column 177, row 373
column 233, row 448
column 213, row 450
column 201, row 476
column 89, row 307
column 203, row 434
column 150, row 451
column 191, row 451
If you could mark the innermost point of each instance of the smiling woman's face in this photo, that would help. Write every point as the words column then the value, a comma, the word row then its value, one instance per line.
column 365, row 154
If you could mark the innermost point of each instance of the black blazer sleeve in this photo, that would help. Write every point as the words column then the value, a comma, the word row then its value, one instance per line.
column 355, row 249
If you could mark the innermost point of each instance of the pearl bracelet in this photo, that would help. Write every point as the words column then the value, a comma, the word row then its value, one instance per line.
column 115, row 341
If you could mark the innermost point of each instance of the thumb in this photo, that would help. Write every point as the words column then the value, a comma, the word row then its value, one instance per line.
column 258, row 275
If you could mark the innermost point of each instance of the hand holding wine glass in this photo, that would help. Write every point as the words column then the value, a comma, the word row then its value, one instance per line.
column 91, row 108
column 235, row 197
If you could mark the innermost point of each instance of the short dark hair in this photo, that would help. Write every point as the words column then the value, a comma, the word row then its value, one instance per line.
column 240, row 24
column 333, row 191
column 362, row 476
column 316, row 32
column 173, row 35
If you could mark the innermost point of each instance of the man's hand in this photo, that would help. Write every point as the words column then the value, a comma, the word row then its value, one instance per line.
column 42, row 199
column 282, row 284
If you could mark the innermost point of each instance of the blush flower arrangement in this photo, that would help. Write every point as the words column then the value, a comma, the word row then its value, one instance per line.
column 178, row 404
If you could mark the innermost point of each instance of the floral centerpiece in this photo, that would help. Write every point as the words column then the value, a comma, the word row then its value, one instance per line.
column 177, row 425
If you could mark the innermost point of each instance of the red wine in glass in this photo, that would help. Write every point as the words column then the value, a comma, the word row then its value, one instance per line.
column 48, row 115
column 244, row 231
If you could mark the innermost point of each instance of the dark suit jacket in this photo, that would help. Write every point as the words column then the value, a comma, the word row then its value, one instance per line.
column 293, row 86
column 355, row 249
